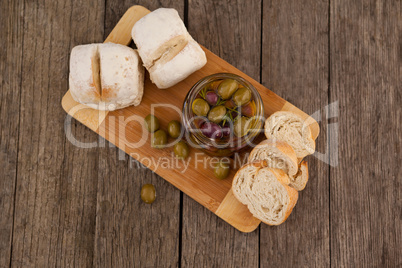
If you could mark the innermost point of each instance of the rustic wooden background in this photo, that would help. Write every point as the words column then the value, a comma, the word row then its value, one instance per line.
column 65, row 206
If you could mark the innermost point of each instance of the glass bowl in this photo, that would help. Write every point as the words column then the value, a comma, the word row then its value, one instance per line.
column 232, row 143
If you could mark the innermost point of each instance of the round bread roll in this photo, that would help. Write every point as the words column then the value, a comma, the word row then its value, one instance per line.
column 265, row 191
column 106, row 76
column 168, row 51
column 157, row 33
column 291, row 128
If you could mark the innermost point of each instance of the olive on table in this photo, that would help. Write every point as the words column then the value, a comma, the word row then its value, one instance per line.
column 211, row 130
column 148, row 193
column 241, row 126
column 242, row 96
column 226, row 88
column 221, row 170
column 200, row 107
column 211, row 97
column 159, row 139
column 217, row 113
column 174, row 129
column 151, row 123
column 181, row 150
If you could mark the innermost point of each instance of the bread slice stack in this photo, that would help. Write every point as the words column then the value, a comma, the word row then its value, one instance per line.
column 280, row 155
column 275, row 172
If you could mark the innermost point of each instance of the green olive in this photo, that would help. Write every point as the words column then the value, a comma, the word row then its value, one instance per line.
column 221, row 170
column 200, row 107
column 242, row 96
column 241, row 126
column 174, row 129
column 148, row 193
column 181, row 150
column 217, row 113
column 151, row 123
column 159, row 139
column 226, row 88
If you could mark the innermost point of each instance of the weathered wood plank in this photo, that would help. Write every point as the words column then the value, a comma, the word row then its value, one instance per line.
column 130, row 233
column 295, row 66
column 54, row 220
column 11, row 19
column 366, row 208
column 232, row 31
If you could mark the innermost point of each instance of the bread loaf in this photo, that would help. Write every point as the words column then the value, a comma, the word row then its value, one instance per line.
column 280, row 155
column 106, row 76
column 265, row 191
column 291, row 128
column 168, row 51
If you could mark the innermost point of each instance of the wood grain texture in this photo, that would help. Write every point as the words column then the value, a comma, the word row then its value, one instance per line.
column 11, row 54
column 67, row 213
column 366, row 206
column 54, row 222
column 295, row 66
column 124, row 128
column 232, row 31
column 130, row 233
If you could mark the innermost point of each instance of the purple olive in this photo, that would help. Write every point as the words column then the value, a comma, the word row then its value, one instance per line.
column 211, row 97
column 211, row 130
column 249, row 109
column 226, row 130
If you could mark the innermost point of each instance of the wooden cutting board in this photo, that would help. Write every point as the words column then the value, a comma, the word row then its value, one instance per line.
column 124, row 127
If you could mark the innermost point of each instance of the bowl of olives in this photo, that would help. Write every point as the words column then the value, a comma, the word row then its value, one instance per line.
column 222, row 113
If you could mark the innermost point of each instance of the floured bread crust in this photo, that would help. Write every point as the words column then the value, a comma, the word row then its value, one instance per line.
column 168, row 51
column 84, row 74
column 156, row 32
column 190, row 59
column 122, row 76
column 106, row 76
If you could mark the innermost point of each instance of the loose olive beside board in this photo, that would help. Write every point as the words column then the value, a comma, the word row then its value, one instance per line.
column 148, row 193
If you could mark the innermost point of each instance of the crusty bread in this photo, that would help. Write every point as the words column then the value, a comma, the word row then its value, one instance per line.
column 168, row 51
column 158, row 32
column 188, row 60
column 265, row 191
column 280, row 155
column 299, row 180
column 106, row 76
column 84, row 74
column 291, row 128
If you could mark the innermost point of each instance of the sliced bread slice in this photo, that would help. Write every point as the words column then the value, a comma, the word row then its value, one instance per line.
column 291, row 128
column 279, row 154
column 265, row 191
column 299, row 180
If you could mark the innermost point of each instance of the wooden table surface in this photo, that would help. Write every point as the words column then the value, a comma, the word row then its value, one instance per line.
column 61, row 205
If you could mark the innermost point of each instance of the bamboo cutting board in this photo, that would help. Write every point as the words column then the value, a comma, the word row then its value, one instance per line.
column 125, row 127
